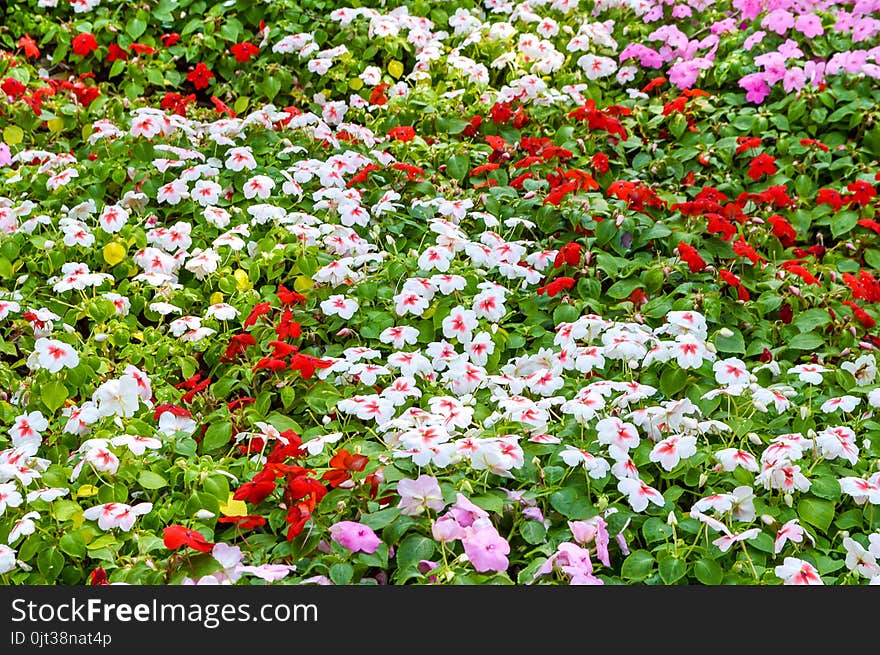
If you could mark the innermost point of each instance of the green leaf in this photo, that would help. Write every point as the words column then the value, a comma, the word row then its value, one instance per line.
column 816, row 512
column 730, row 344
column 637, row 566
column 53, row 395
column 533, row 532
column 135, row 28
column 217, row 436
column 708, row 571
column 73, row 544
column 150, row 480
column 672, row 569
column 412, row 550
column 490, row 503
column 572, row 504
column 341, row 573
column 843, row 222
column 622, row 288
column 806, row 341
column 825, row 486
column 672, row 381
column 458, row 166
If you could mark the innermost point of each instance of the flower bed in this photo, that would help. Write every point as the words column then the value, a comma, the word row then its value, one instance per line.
column 527, row 292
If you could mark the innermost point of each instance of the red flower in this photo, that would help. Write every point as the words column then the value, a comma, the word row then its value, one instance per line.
column 259, row 309
column 783, row 230
column 169, row 40
column 306, row 364
column 178, row 535
column 377, row 95
column 222, row 107
column 248, row 522
column 244, row 51
column 870, row 224
column 812, row 142
column 678, row 106
column 13, row 87
column 473, row 126
column 861, row 315
column 142, row 49
column 344, row 464
column 569, row 254
column 84, row 44
column 114, row 53
column 500, row 113
column 288, row 297
column 556, row 286
column 600, row 162
column 763, row 164
column 786, row 313
column 747, row 143
column 270, row 363
column 861, row 192
column 288, row 328
column 743, row 249
column 98, row 577
column 296, row 518
column 177, row 102
column 26, row 43
column 690, row 255
column 720, row 225
column 403, row 133
column 200, row 76
column 735, row 282
column 255, row 491
column 238, row 344
column 829, row 197
column 653, row 84
column 794, row 267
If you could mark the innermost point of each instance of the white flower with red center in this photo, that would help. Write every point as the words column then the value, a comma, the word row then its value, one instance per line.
column 614, row 432
column 339, row 305
column 480, row 347
column 399, row 336
column 596, row 67
column 222, row 312
column 102, row 459
column 840, row 404
column 860, row 559
column 836, row 442
column 408, row 302
column 460, row 324
column 53, row 355
column 794, row 571
column 589, row 358
column 596, row 467
column 206, row 192
column 721, row 503
column 731, row 371
column 400, row 390
column 489, row 305
column 690, row 351
column 669, row 452
column 862, row 490
column 146, row 126
column 23, row 527
column 784, row 476
column 117, row 397
column 126, row 515
column 809, row 373
column 583, row 406
column 725, row 541
column 112, row 218
column 259, row 186
column 730, row 458
column 435, row 258
column 202, row 262
column 121, row 303
column 238, row 159
column 137, row 444
column 864, row 369
column 791, row 531
column 9, row 496
column 26, row 429
column 639, row 494
column 173, row 192
column 7, row 307
column 448, row 284
column 47, row 494
column 544, row 382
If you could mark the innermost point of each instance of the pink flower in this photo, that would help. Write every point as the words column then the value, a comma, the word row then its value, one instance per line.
column 595, row 528
column 486, row 549
column 355, row 536
column 574, row 561
column 754, row 39
column 446, row 529
column 790, row 531
column 755, row 86
column 5, row 155
column 778, row 20
column 465, row 512
column 810, row 25
column 420, row 494
column 796, row 571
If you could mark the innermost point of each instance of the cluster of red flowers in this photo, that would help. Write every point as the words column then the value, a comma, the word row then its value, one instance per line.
column 602, row 119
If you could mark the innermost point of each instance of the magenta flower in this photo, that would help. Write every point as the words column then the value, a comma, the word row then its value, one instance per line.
column 486, row 549
column 755, row 86
column 5, row 155
column 778, row 20
column 355, row 536
column 754, row 39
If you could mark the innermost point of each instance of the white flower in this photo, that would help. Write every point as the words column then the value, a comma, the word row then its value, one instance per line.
column 221, row 311
column 7, row 559
column 796, row 571
column 339, row 305
column 809, row 373
column 53, row 355
column 117, row 397
column 669, row 452
column 639, row 494
column 864, row 369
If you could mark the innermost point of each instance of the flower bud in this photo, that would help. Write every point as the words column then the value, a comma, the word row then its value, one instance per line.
column 788, row 499
column 602, row 503
column 325, row 419
column 767, row 519
column 754, row 438
column 703, row 478
column 671, row 520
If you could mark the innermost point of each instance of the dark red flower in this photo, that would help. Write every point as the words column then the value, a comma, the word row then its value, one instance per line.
column 569, row 254
column 765, row 356
column 169, row 40
column 176, row 536
column 244, row 51
column 556, row 286
column 782, row 230
column 786, row 313
column 255, row 491
column 238, row 344
column 761, row 165
column 114, row 53
column 200, row 76
column 98, row 577
column 690, row 255
column 500, row 113
column 84, row 44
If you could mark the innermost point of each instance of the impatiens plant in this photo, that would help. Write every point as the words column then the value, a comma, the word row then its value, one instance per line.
column 518, row 292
